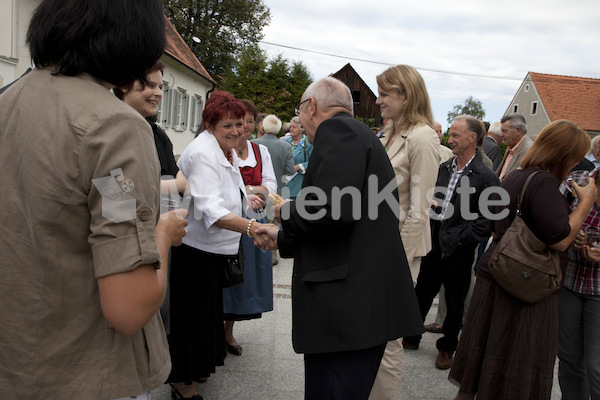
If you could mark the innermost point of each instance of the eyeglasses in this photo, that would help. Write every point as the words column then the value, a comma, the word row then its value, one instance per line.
column 297, row 109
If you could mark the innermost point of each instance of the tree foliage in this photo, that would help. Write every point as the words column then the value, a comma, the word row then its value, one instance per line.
column 471, row 107
column 274, row 85
column 224, row 28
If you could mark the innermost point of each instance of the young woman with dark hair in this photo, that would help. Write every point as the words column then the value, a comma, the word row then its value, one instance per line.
column 83, row 246
column 115, row 41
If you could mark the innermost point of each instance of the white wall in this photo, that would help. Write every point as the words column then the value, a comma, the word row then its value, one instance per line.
column 14, row 54
column 525, row 96
column 15, row 59
column 179, row 76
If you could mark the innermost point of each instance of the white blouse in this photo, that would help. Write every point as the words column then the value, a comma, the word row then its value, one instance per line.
column 268, row 174
column 216, row 188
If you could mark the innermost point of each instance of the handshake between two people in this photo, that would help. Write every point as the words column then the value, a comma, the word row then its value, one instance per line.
column 265, row 235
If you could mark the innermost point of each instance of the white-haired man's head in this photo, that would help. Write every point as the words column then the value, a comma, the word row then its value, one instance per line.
column 495, row 130
column 321, row 100
column 272, row 124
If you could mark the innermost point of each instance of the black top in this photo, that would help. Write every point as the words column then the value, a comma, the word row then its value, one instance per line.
column 351, row 285
column 164, row 148
column 544, row 210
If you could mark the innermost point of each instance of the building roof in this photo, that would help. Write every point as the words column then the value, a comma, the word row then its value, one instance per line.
column 179, row 50
column 569, row 97
column 348, row 68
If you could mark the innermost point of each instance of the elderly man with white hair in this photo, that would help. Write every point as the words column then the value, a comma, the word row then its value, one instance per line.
column 594, row 154
column 282, row 154
column 352, row 290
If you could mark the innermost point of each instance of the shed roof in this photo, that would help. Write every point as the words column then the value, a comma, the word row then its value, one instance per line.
column 179, row 50
column 569, row 97
column 348, row 68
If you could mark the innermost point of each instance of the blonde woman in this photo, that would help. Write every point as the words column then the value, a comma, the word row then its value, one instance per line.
column 413, row 149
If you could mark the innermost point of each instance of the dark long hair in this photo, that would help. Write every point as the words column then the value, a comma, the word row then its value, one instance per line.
column 116, row 41
column 119, row 91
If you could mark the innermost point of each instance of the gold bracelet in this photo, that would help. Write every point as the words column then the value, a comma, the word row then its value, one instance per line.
column 249, row 226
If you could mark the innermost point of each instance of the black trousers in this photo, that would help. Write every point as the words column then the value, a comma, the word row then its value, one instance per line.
column 347, row 375
column 454, row 272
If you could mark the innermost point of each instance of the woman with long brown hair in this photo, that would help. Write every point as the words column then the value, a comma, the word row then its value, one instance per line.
column 508, row 347
column 412, row 147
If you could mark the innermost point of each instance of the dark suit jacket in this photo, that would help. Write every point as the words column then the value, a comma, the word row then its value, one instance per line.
column 493, row 151
column 455, row 228
column 351, row 286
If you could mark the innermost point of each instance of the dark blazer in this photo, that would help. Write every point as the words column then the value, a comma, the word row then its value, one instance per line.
column 493, row 151
column 455, row 228
column 351, row 286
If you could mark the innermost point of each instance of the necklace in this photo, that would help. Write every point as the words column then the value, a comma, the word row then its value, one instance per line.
column 240, row 152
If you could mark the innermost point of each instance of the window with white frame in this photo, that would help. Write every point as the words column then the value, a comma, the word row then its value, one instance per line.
column 534, row 107
column 180, row 109
column 196, row 112
column 164, row 107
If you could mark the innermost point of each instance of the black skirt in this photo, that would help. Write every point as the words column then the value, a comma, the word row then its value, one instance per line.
column 197, row 339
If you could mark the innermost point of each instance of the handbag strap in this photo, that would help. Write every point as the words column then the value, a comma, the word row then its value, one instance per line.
column 523, row 191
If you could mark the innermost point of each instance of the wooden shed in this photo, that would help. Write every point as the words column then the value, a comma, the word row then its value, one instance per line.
column 363, row 96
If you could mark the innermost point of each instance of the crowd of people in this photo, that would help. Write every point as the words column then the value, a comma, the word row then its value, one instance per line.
column 115, row 282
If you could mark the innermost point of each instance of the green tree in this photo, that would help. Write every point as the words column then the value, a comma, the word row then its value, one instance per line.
column 299, row 80
column 274, row 85
column 224, row 28
column 471, row 107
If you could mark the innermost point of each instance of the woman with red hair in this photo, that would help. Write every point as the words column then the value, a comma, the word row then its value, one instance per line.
column 218, row 201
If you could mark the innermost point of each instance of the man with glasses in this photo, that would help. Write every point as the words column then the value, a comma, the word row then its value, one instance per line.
column 352, row 290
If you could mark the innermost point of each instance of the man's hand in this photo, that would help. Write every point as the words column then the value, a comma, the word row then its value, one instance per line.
column 265, row 236
column 277, row 208
column 590, row 254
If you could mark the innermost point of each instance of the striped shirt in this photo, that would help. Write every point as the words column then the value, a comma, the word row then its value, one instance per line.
column 456, row 174
column 583, row 276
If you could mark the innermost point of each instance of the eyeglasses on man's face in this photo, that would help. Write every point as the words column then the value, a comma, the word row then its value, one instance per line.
column 297, row 109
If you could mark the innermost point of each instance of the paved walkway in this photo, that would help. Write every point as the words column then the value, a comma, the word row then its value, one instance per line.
column 270, row 370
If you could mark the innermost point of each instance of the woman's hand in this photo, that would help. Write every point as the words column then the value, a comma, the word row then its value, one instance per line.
column 255, row 202
column 580, row 240
column 587, row 193
column 172, row 225
column 265, row 235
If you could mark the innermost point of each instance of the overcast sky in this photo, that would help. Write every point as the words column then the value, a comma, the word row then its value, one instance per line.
column 483, row 39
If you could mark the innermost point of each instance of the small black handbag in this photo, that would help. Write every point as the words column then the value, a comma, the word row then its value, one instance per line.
column 233, row 271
